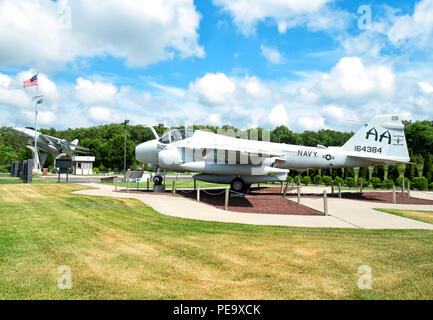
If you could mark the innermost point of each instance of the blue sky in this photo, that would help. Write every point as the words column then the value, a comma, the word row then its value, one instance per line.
column 306, row 65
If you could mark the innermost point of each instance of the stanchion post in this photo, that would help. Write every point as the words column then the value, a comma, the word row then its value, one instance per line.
column 408, row 189
column 148, row 184
column 282, row 185
column 402, row 186
column 115, row 184
column 127, row 185
column 332, row 188
column 293, row 183
column 226, row 200
column 174, row 188
column 198, row 192
column 195, row 184
column 339, row 190
column 325, row 203
column 362, row 183
column 285, row 189
column 394, row 198
column 299, row 194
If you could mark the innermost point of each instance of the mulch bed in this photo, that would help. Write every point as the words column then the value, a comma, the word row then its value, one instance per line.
column 268, row 200
column 263, row 201
column 379, row 197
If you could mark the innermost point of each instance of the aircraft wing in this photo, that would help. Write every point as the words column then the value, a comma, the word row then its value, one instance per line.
column 378, row 159
column 48, row 139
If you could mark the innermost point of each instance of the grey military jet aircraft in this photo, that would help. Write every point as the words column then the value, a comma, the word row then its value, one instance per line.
column 241, row 162
column 48, row 144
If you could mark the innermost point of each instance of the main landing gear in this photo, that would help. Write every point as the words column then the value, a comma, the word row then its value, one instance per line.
column 239, row 185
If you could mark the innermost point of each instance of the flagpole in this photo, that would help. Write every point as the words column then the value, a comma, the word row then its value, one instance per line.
column 36, row 125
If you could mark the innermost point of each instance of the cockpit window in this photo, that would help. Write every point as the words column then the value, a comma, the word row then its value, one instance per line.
column 165, row 139
column 176, row 135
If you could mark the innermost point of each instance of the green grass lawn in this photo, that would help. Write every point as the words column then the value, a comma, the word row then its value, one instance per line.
column 122, row 249
column 424, row 216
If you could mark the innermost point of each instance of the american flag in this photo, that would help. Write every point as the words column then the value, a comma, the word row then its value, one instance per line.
column 32, row 82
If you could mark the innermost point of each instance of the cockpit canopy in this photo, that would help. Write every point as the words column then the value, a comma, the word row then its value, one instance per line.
column 176, row 135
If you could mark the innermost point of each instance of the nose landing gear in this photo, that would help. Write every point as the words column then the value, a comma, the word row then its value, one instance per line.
column 157, row 180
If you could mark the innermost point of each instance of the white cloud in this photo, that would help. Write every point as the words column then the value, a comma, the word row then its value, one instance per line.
column 142, row 32
column 278, row 116
column 213, row 88
column 214, row 119
column 425, row 87
column 350, row 77
column 419, row 25
column 285, row 13
column 100, row 114
column 334, row 112
column 312, row 123
column 271, row 54
column 92, row 93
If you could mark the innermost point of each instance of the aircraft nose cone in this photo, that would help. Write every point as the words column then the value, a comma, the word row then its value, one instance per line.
column 146, row 152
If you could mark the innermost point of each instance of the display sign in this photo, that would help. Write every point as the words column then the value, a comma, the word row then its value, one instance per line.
column 64, row 164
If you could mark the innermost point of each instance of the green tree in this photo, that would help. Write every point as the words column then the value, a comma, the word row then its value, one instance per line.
column 411, row 171
column 379, row 172
column 393, row 173
column 363, row 173
column 349, row 173
column 428, row 167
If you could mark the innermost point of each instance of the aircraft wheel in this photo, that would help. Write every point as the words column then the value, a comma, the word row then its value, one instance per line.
column 238, row 185
column 157, row 180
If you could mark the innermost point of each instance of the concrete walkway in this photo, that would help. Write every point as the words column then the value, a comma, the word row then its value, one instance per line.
column 343, row 213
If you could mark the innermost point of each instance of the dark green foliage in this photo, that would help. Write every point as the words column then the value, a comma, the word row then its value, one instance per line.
column 306, row 180
column 338, row 180
column 297, row 179
column 349, row 172
column 411, row 171
column 379, row 172
column 364, row 181
column 327, row 180
column 326, row 172
column 419, row 136
column 376, row 182
column 363, row 173
column 393, row 173
column 313, row 172
column 420, row 183
column 428, row 167
column 317, row 179
column 350, row 182
column 431, row 186
column 387, row 184
column 399, row 181
column 337, row 173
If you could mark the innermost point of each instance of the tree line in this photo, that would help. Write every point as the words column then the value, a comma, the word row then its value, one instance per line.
column 106, row 143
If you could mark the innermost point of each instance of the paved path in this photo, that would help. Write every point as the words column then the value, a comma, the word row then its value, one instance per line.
column 343, row 213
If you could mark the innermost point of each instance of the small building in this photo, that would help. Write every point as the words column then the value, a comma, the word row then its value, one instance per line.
column 83, row 165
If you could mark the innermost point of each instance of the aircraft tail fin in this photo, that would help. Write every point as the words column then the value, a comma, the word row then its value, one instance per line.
column 75, row 142
column 382, row 137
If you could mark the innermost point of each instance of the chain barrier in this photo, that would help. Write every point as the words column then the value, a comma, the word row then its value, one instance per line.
column 213, row 194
